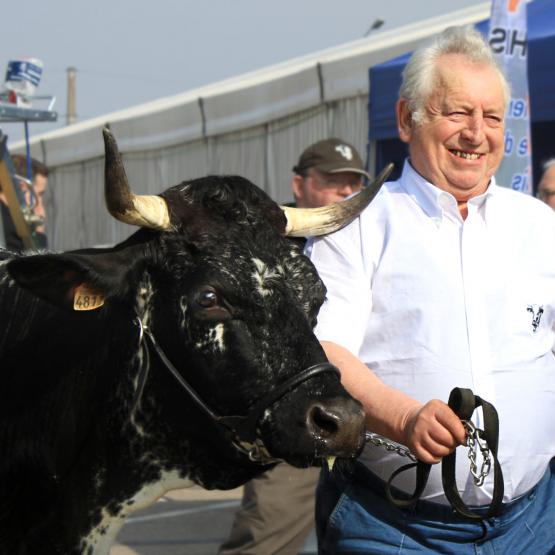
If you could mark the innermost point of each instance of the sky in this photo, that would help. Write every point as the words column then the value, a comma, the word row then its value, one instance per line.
column 127, row 52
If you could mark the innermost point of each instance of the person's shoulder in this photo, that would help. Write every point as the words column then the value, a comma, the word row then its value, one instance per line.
column 521, row 201
column 384, row 199
column 524, row 207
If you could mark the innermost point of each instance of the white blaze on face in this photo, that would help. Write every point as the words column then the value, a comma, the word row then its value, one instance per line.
column 214, row 339
column 263, row 276
column 219, row 337
column 103, row 535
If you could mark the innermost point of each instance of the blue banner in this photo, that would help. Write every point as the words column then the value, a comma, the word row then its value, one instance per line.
column 23, row 70
column 508, row 38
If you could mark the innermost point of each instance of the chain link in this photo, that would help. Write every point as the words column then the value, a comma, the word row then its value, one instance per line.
column 475, row 440
column 380, row 441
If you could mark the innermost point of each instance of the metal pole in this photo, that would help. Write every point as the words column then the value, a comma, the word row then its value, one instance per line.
column 71, row 115
column 28, row 151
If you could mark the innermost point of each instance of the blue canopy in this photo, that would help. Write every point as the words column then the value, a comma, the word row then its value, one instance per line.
column 385, row 80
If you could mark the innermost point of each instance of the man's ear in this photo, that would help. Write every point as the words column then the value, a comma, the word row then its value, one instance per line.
column 405, row 123
column 297, row 187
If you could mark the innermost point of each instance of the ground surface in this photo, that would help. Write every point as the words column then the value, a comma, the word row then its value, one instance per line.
column 191, row 521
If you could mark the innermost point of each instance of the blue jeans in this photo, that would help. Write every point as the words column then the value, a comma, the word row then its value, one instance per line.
column 353, row 516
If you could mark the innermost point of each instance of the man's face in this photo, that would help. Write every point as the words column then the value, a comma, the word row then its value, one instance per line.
column 40, row 182
column 460, row 143
column 320, row 189
column 546, row 189
column 35, row 198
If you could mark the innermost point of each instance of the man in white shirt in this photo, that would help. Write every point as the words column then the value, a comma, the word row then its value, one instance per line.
column 546, row 188
column 446, row 280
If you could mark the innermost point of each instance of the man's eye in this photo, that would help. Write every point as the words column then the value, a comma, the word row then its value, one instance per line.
column 207, row 299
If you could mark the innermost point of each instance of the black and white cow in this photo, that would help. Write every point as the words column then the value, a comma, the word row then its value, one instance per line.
column 183, row 355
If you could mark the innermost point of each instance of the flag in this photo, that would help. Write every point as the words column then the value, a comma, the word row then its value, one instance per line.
column 508, row 38
column 23, row 76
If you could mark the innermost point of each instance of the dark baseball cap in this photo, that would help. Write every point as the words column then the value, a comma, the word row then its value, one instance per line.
column 331, row 156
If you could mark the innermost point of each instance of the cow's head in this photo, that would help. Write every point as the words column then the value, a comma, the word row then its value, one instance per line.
column 212, row 287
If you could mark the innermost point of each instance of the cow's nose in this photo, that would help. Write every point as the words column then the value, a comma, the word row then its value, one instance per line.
column 339, row 424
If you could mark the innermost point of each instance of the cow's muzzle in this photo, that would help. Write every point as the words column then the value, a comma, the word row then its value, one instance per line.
column 243, row 430
column 337, row 427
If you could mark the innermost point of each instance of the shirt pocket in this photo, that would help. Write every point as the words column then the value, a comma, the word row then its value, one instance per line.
column 523, row 324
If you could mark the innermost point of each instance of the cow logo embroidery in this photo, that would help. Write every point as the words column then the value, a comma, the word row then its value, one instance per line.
column 345, row 151
column 537, row 312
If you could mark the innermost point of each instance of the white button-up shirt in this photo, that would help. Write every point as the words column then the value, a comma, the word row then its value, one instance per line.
column 429, row 301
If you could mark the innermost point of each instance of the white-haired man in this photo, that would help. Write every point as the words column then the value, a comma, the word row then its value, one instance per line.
column 546, row 188
column 446, row 280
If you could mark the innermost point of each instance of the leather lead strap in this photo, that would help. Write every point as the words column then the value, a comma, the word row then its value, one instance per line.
column 463, row 403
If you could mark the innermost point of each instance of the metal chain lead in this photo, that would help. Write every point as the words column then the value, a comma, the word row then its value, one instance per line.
column 474, row 439
column 380, row 441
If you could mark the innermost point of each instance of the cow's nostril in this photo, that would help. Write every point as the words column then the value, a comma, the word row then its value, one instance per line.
column 322, row 422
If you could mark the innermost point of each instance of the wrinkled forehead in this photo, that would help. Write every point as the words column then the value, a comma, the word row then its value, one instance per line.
column 458, row 79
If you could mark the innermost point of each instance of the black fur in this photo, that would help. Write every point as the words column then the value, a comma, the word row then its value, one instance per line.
column 76, row 435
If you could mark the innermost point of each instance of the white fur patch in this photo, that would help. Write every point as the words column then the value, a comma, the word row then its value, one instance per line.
column 263, row 275
column 213, row 340
column 183, row 307
column 103, row 535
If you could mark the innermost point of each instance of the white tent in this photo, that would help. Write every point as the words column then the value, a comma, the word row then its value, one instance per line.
column 254, row 125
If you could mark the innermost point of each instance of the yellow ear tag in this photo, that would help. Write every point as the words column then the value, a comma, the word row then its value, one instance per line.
column 86, row 299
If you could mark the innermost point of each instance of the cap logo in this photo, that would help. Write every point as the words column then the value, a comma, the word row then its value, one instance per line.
column 345, row 151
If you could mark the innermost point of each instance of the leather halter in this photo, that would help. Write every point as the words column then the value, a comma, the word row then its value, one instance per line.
column 241, row 431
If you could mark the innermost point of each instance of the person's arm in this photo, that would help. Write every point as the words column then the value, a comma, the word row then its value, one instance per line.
column 430, row 431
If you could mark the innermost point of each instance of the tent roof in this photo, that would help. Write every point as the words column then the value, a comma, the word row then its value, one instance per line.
column 385, row 78
column 246, row 100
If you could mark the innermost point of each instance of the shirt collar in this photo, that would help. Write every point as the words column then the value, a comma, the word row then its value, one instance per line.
column 437, row 203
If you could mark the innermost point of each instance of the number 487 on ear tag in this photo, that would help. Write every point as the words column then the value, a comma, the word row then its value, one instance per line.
column 87, row 299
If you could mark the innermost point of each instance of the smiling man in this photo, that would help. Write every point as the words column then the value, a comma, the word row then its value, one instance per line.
column 456, row 138
column 446, row 280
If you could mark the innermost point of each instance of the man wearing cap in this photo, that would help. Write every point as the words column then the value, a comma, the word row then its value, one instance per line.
column 277, row 510
column 327, row 172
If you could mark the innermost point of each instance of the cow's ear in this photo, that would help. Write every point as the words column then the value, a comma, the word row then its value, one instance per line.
column 61, row 278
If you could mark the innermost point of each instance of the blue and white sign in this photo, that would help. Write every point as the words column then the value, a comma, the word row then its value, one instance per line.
column 508, row 38
column 23, row 76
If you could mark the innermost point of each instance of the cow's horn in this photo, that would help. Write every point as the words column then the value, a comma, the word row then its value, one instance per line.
column 305, row 222
column 143, row 210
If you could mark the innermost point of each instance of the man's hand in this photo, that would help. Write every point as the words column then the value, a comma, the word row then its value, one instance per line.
column 432, row 431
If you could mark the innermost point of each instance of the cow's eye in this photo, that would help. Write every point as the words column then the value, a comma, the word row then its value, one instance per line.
column 207, row 298
column 209, row 305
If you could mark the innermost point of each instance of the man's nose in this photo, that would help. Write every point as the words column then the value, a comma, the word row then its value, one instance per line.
column 473, row 132
column 346, row 189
